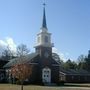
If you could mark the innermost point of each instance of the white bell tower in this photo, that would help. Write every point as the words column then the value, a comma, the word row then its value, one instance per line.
column 43, row 37
column 43, row 40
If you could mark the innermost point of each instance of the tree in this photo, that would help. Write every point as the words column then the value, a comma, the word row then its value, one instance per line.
column 7, row 54
column 22, row 50
column 84, row 62
column 87, row 62
column 81, row 58
column 21, row 72
column 70, row 64
column 81, row 62
column 81, row 65
column 56, row 57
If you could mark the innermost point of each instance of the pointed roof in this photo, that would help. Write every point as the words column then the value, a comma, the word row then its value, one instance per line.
column 20, row 60
column 44, row 24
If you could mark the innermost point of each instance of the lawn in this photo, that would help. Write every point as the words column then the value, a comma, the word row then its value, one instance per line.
column 34, row 87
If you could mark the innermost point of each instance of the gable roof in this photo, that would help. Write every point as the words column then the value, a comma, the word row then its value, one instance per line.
column 20, row 60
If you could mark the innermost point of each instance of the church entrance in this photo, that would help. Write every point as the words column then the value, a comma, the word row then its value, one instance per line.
column 46, row 75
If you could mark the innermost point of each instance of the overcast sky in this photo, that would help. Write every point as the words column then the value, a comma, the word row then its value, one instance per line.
column 67, row 20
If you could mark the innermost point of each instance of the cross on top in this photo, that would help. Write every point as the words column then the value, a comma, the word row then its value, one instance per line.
column 44, row 4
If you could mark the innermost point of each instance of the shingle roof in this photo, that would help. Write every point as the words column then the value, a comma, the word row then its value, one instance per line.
column 75, row 72
column 20, row 60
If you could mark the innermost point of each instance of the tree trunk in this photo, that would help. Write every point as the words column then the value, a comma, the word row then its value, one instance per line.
column 21, row 85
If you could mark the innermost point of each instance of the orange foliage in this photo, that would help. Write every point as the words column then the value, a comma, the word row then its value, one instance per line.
column 21, row 71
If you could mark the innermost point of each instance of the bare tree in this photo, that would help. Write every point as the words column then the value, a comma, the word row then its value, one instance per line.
column 7, row 54
column 56, row 57
column 21, row 72
column 22, row 50
column 81, row 58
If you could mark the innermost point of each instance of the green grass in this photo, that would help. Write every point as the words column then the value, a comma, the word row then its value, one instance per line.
column 34, row 87
column 77, row 84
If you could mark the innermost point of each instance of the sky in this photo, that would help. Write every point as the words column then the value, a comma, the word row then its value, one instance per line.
column 67, row 20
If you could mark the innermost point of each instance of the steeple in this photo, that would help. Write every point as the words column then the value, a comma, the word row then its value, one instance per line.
column 44, row 24
column 43, row 37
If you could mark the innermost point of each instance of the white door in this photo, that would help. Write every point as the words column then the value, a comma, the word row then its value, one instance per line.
column 46, row 75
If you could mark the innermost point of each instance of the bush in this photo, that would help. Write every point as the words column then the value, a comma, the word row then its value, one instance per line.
column 61, row 83
column 18, row 82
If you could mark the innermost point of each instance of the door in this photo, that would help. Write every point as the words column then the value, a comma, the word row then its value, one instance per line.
column 46, row 75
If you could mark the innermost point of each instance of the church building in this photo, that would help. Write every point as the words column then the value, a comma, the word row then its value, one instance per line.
column 45, row 68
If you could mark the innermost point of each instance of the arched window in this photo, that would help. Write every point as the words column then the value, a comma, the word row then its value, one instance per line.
column 46, row 39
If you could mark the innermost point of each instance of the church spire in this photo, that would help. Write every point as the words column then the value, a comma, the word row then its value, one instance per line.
column 44, row 24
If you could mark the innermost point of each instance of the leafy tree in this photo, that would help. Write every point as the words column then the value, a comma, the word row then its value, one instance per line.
column 70, row 64
column 89, row 54
column 81, row 65
column 87, row 62
column 21, row 72
column 84, row 62
column 81, row 62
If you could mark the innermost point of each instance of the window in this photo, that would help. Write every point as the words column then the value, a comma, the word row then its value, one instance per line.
column 86, row 78
column 46, row 39
column 1, row 76
column 44, row 71
column 79, row 77
column 47, row 71
column 72, row 77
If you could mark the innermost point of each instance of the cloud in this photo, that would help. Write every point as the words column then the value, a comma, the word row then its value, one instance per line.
column 11, row 44
column 8, row 42
column 63, row 56
column 2, row 43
